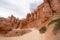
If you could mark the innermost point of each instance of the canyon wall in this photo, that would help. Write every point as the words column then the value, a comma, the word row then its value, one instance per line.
column 36, row 19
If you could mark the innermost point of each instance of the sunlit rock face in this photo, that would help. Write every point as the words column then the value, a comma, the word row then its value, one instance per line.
column 7, row 24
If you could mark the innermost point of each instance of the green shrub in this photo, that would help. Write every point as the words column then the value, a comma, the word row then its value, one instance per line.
column 53, row 21
column 57, row 26
column 43, row 29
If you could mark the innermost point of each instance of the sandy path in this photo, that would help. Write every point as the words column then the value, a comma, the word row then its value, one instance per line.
column 34, row 35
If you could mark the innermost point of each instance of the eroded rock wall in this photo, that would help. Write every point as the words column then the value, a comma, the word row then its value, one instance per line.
column 36, row 19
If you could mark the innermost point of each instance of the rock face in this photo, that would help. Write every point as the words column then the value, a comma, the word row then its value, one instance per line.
column 55, row 5
column 36, row 19
column 7, row 24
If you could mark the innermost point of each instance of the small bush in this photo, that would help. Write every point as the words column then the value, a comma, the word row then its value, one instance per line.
column 43, row 29
column 53, row 21
column 57, row 26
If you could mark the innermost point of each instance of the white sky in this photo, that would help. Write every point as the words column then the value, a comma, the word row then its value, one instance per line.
column 19, row 8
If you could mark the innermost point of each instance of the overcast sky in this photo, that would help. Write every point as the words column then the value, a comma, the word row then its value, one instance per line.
column 19, row 8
